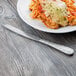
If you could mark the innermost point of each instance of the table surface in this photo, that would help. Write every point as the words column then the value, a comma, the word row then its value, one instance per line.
column 23, row 57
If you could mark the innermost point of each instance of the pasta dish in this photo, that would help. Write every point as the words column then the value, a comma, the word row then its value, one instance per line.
column 54, row 13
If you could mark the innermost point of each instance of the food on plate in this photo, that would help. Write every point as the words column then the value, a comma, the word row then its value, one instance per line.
column 54, row 13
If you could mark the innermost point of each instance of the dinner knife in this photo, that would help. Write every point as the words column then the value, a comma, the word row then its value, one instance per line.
column 61, row 48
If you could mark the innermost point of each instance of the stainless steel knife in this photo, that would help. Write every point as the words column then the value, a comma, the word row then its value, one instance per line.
column 61, row 48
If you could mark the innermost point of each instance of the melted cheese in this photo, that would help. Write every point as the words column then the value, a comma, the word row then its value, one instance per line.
column 56, row 10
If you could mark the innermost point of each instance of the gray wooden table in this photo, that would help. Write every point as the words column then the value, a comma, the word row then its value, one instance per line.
column 23, row 57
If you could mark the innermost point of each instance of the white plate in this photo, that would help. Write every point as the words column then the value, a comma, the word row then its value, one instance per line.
column 23, row 11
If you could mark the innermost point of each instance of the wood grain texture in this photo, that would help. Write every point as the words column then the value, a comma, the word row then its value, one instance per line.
column 23, row 57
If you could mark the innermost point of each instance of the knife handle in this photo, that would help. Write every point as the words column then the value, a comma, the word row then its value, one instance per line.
column 61, row 48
